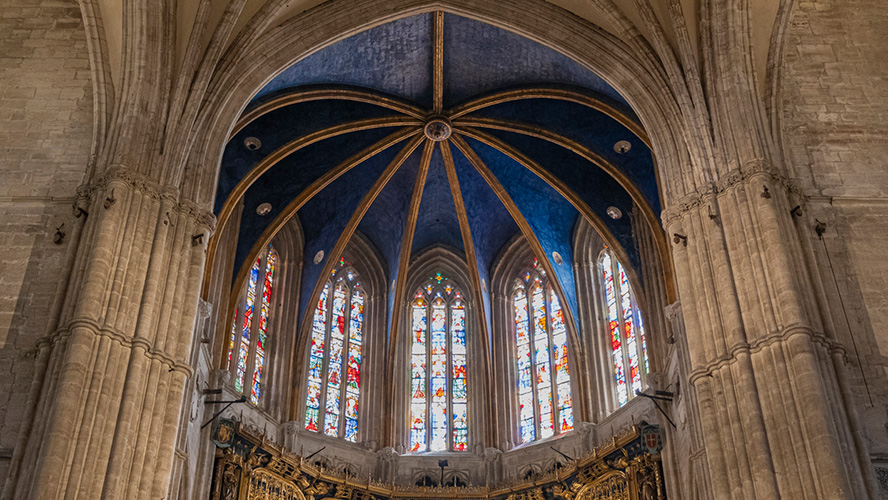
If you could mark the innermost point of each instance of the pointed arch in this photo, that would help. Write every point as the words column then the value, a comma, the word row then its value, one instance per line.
column 442, row 393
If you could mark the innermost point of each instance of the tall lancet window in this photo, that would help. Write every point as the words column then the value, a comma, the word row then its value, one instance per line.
column 545, row 407
column 438, row 389
column 334, row 363
column 249, row 338
column 625, row 328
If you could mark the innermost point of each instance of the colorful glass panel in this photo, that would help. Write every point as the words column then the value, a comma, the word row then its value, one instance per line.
column 244, row 349
column 613, row 320
column 459, row 396
column 353, row 373
column 562, row 372
column 316, row 362
column 233, row 344
column 259, row 360
column 525, row 387
column 438, row 376
column 333, row 391
column 541, row 362
column 629, row 329
column 418, row 413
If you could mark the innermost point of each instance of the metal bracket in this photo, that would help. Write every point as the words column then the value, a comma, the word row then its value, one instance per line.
column 662, row 396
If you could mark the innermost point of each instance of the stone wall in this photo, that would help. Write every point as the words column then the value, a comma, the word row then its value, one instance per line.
column 45, row 137
column 835, row 134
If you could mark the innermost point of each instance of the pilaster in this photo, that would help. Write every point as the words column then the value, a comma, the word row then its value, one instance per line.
column 767, row 388
column 108, row 397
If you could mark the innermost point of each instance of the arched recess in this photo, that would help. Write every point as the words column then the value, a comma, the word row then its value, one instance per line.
column 516, row 256
column 288, row 247
column 450, row 265
column 649, row 297
column 545, row 23
column 363, row 258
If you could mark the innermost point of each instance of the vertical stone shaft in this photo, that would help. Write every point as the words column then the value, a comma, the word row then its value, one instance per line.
column 112, row 370
column 760, row 362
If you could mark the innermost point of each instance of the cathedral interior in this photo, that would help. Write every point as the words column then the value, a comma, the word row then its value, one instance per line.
column 417, row 249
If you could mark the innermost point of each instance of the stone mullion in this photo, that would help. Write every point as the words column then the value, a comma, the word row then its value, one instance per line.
column 500, row 395
column 601, row 360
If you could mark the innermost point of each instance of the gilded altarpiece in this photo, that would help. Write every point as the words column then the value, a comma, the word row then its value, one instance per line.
column 626, row 468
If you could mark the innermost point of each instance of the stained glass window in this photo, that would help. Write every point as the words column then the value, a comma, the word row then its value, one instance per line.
column 250, row 351
column 625, row 329
column 438, row 384
column 545, row 407
column 334, row 358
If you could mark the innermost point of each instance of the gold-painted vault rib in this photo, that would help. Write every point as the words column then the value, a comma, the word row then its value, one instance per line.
column 564, row 190
column 520, row 221
column 403, row 265
column 551, row 93
column 319, row 94
column 307, row 194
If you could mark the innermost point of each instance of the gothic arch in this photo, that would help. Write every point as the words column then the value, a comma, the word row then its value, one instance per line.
column 364, row 259
column 447, row 262
column 240, row 77
column 515, row 256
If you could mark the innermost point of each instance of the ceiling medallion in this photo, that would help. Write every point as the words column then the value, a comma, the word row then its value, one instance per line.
column 557, row 258
column 622, row 147
column 319, row 257
column 252, row 143
column 437, row 128
column 614, row 212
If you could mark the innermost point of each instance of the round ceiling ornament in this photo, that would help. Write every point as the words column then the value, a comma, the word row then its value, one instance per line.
column 622, row 147
column 437, row 129
column 614, row 213
column 264, row 209
column 319, row 257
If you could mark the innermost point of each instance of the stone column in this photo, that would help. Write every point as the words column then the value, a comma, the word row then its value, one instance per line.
column 773, row 421
column 109, row 395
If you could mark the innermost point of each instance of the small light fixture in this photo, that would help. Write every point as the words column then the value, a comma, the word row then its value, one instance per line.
column 557, row 258
column 319, row 257
column 622, row 147
column 264, row 209
column 614, row 213
column 252, row 143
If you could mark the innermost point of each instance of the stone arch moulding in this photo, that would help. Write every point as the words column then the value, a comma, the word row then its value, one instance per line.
column 240, row 77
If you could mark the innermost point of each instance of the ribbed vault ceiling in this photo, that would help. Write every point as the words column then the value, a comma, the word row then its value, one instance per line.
column 437, row 131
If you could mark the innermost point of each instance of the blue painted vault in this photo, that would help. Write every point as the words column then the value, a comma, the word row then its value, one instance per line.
column 333, row 122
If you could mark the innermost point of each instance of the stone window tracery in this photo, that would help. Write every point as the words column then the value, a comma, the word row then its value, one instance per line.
column 335, row 355
column 438, row 387
column 545, row 405
column 625, row 328
column 247, row 350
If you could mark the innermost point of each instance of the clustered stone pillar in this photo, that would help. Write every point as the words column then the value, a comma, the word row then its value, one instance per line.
column 774, row 425
column 111, row 372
